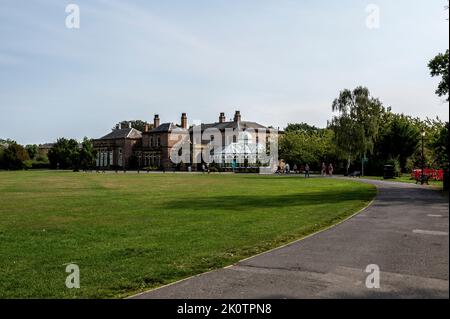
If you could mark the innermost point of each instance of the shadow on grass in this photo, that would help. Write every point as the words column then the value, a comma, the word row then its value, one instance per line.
column 235, row 202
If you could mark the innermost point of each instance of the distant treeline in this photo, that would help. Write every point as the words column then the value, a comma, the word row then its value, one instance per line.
column 365, row 131
column 64, row 154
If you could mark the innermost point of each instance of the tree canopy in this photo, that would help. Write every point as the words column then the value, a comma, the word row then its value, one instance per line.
column 439, row 67
column 357, row 122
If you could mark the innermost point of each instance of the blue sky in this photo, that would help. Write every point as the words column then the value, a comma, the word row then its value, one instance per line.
column 277, row 61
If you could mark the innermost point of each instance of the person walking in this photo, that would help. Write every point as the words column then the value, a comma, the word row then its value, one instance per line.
column 324, row 169
column 330, row 169
column 295, row 169
column 287, row 168
column 306, row 171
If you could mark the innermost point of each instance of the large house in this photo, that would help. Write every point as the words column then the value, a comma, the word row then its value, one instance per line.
column 126, row 147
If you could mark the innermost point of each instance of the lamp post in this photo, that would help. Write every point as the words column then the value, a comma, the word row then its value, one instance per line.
column 422, row 176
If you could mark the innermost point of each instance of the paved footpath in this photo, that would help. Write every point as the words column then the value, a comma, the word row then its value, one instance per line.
column 404, row 232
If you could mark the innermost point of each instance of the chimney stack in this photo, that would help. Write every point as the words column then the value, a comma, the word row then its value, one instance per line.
column 156, row 121
column 146, row 127
column 183, row 121
column 237, row 116
column 222, row 117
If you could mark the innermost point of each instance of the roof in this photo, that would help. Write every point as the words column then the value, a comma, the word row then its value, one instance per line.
column 122, row 133
column 167, row 127
column 232, row 125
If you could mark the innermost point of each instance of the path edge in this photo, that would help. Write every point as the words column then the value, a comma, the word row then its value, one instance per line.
column 264, row 252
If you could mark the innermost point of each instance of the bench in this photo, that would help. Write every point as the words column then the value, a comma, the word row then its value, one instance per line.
column 423, row 179
column 355, row 174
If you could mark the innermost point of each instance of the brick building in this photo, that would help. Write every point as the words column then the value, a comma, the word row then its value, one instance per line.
column 130, row 148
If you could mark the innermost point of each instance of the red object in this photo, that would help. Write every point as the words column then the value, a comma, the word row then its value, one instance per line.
column 435, row 174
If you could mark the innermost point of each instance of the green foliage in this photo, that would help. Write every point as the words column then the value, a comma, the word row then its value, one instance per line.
column 357, row 123
column 136, row 124
column 14, row 157
column 436, row 141
column 32, row 150
column 396, row 164
column 439, row 67
column 69, row 154
column 399, row 138
column 64, row 154
column 307, row 147
column 302, row 127
column 87, row 154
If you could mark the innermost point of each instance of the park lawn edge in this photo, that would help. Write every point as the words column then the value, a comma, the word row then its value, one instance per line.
column 260, row 250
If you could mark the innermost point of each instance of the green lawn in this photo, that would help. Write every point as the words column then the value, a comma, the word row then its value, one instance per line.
column 131, row 232
column 404, row 179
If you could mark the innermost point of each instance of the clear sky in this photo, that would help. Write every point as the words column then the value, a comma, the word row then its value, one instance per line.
column 277, row 61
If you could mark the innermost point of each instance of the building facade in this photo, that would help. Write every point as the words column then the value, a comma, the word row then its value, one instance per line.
column 240, row 144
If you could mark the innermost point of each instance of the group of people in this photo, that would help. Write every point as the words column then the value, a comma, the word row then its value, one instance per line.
column 326, row 170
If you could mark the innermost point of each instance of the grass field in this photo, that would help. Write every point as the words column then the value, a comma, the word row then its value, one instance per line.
column 404, row 179
column 130, row 232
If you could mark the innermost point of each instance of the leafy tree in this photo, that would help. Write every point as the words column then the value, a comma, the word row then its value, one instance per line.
column 440, row 145
column 302, row 127
column 64, row 154
column 302, row 147
column 136, row 124
column 398, row 139
column 436, row 142
column 32, row 150
column 356, row 125
column 439, row 67
column 87, row 154
column 14, row 156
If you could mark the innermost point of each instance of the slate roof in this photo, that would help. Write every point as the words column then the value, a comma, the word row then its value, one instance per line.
column 166, row 127
column 122, row 133
column 232, row 125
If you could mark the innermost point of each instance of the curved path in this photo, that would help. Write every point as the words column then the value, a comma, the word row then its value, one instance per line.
column 404, row 232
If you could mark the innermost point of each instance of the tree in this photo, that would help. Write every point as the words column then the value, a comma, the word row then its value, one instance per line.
column 356, row 125
column 436, row 141
column 439, row 67
column 303, row 127
column 32, row 150
column 64, row 154
column 302, row 147
column 136, row 124
column 14, row 156
column 398, row 138
column 87, row 154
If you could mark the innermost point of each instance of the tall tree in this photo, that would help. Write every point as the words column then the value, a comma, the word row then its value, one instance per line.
column 303, row 147
column 439, row 67
column 136, row 124
column 302, row 127
column 64, row 154
column 32, row 150
column 14, row 156
column 356, row 125
column 398, row 139
column 87, row 154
